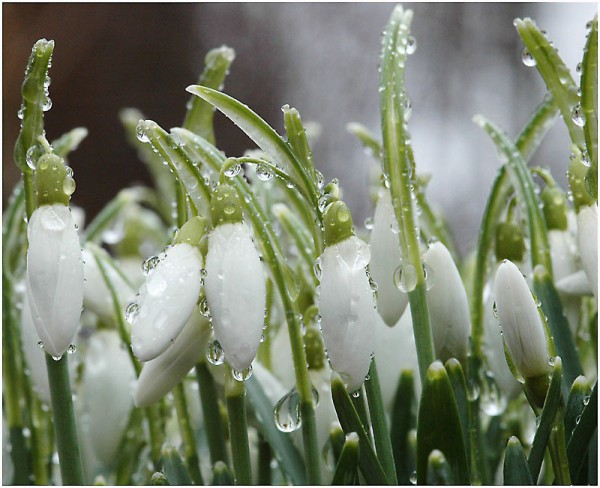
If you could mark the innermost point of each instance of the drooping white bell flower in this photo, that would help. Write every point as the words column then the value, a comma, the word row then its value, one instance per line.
column 448, row 305
column 105, row 394
column 54, row 276
column 587, row 238
column 521, row 323
column 345, row 298
column 169, row 295
column 161, row 374
column 385, row 258
column 96, row 295
column 235, row 282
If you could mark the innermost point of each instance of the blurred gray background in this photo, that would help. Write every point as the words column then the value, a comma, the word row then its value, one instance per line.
column 321, row 58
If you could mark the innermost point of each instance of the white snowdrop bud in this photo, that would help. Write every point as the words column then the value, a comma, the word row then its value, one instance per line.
column 54, row 276
column 105, row 394
column 521, row 322
column 166, row 301
column 385, row 259
column 345, row 298
column 160, row 375
column 448, row 305
column 587, row 236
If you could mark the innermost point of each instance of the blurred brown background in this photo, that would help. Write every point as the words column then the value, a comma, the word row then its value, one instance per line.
column 321, row 58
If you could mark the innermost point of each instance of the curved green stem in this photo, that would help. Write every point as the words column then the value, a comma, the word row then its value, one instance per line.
column 235, row 395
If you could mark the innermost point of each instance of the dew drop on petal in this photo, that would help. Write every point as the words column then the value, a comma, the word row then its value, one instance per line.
column 320, row 180
column 405, row 278
column 40, row 344
column 369, row 223
column 30, row 157
column 215, row 354
column 203, row 307
column 317, row 268
column 242, row 375
column 140, row 133
column 131, row 312
column 57, row 358
column 429, row 276
column 150, row 264
column 72, row 349
column 495, row 310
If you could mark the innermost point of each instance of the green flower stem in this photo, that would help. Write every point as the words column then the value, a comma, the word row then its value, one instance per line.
column 589, row 103
column 64, row 421
column 187, row 434
column 199, row 150
column 212, row 414
column 397, row 169
column 381, row 433
column 235, row 395
column 361, row 409
column 265, row 455
column 558, row 454
column 41, row 447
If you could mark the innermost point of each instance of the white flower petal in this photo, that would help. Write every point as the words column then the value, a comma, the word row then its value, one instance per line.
column 236, row 293
column 55, row 276
column 448, row 305
column 346, row 306
column 96, row 295
column 520, row 321
column 563, row 253
column 160, row 375
column 106, row 393
column 587, row 233
column 166, row 301
column 575, row 284
column 386, row 257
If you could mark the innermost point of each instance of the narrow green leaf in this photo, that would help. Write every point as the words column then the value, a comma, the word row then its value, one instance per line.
column 579, row 396
column 555, row 74
column 174, row 467
column 235, row 398
column 369, row 464
column 296, row 135
column 583, row 434
column 439, row 426
column 438, row 470
column 346, row 472
column 222, row 475
column 403, row 420
column 259, row 131
column 459, row 386
column 536, row 128
column 366, row 138
column 158, row 479
column 199, row 116
column 289, row 458
column 559, row 326
column 547, row 420
column 589, row 103
column 516, row 470
column 69, row 141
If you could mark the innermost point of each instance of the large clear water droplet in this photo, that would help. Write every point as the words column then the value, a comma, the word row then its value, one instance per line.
column 242, row 374
column 30, row 156
column 263, row 172
column 527, row 58
column 72, row 349
column 150, row 264
column 140, row 133
column 131, row 312
column 405, row 278
column 69, row 186
column 215, row 354
column 411, row 45
column 233, row 170
column 286, row 413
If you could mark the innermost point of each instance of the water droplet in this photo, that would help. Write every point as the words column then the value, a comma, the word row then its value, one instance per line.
column 69, row 186
column 46, row 104
column 492, row 401
column 233, row 170
column 405, row 278
column 131, row 312
column 373, row 285
column 215, row 354
column 229, row 208
column 203, row 307
column 30, row 156
column 40, row 344
column 369, row 222
column 413, row 478
column 411, row 45
column 495, row 310
column 263, row 172
column 577, row 116
column 317, row 268
column 579, row 68
column 472, row 390
column 140, row 133
column 527, row 58
column 286, row 413
column 407, row 109
column 586, row 399
column 578, row 419
column 551, row 361
column 242, row 375
column 356, row 394
column 394, row 227
column 323, row 200
column 72, row 349
column 429, row 276
column 585, row 160
column 57, row 358
column 150, row 264
column 320, row 180
column 21, row 112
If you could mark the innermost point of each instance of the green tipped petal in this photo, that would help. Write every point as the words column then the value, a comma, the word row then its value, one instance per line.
column 225, row 206
column 192, row 231
column 338, row 223
column 510, row 242
column 577, row 181
column 52, row 184
column 555, row 208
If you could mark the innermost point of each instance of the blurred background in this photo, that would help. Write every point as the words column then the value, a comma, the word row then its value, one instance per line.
column 321, row 58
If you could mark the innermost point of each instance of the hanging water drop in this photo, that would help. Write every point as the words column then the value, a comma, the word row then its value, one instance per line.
column 286, row 413
column 40, row 344
column 215, row 354
column 429, row 276
column 57, row 358
column 317, row 268
column 140, row 133
column 69, row 186
column 551, row 361
column 233, row 170
column 577, row 116
column 586, row 400
column 323, row 200
column 131, row 312
column 413, row 478
column 495, row 310
column 46, row 104
column 263, row 172
column 242, row 375
column 21, row 112
column 30, row 158
column 411, row 45
column 150, row 264
column 203, row 307
column 369, row 222
column 405, row 278
column 527, row 58
column 320, row 180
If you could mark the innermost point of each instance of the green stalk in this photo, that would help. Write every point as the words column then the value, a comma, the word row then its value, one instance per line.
column 381, row 433
column 187, row 434
column 67, row 443
column 397, row 169
column 558, row 454
column 212, row 414
column 264, row 462
column 235, row 395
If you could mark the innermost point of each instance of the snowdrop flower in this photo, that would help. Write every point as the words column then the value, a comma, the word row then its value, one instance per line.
column 386, row 257
column 160, row 375
column 448, row 305
column 54, row 265
column 105, row 394
column 168, row 298
column 345, row 299
column 235, row 281
column 96, row 295
column 522, row 328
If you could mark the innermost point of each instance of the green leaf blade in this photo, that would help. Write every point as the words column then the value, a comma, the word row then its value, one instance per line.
column 516, row 470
